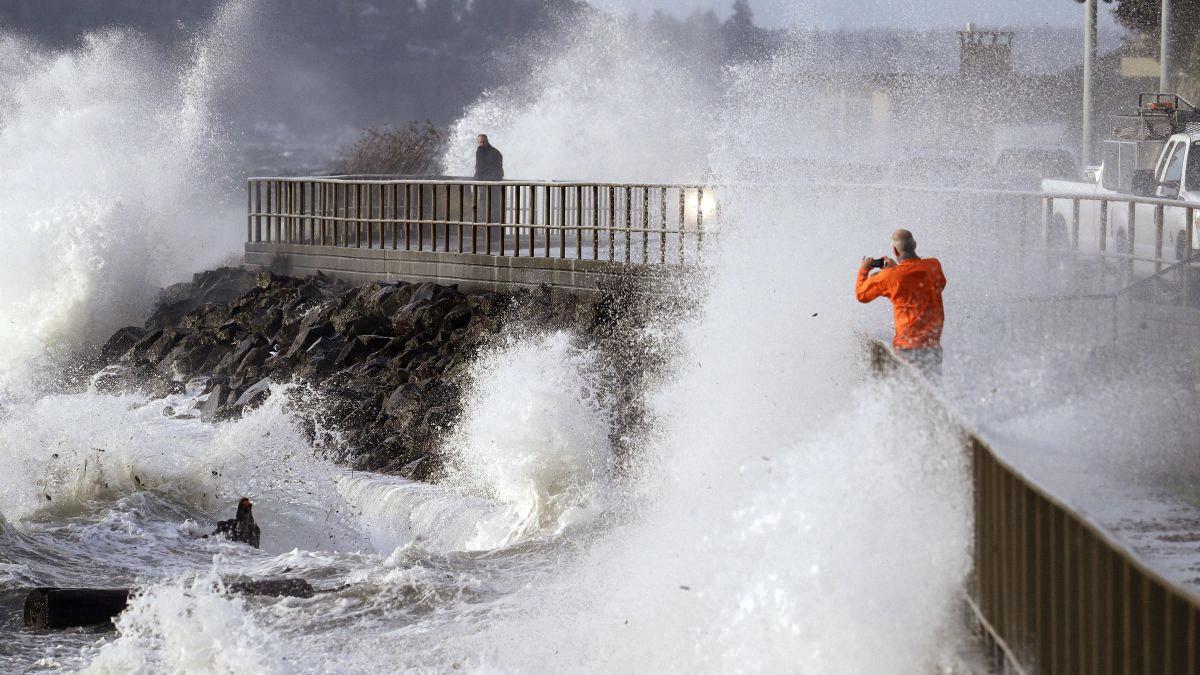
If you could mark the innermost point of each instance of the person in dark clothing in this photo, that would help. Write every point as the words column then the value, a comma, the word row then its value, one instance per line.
column 242, row 527
column 489, row 163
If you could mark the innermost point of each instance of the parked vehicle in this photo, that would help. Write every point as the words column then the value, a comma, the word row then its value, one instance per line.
column 1154, row 153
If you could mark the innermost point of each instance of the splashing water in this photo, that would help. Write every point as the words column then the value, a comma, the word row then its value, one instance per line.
column 188, row 627
column 787, row 514
column 534, row 437
column 112, row 178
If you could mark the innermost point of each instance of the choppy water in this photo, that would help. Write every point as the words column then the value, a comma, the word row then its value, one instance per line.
column 786, row 514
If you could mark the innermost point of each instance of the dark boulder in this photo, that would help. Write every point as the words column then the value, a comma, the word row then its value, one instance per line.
column 121, row 342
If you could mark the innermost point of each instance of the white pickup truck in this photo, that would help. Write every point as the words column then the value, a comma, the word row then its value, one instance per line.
column 1132, row 170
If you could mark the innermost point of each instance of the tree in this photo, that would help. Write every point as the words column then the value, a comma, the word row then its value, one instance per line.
column 1144, row 16
column 743, row 40
column 412, row 150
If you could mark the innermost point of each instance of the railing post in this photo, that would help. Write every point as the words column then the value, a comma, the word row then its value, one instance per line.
column 462, row 214
column 1131, row 234
column 433, row 214
column 421, row 216
column 487, row 216
column 1075, row 224
column 517, row 220
column 1103, row 241
column 307, row 206
column 406, row 221
column 503, row 219
column 662, row 225
column 329, row 223
column 1103, row 225
column 682, row 221
column 258, row 190
column 1190, row 215
column 578, row 222
column 562, row 222
column 533, row 221
column 595, row 222
column 249, row 210
column 1158, row 238
column 612, row 223
column 628, row 222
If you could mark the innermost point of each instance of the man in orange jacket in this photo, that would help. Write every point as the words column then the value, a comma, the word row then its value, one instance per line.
column 914, row 285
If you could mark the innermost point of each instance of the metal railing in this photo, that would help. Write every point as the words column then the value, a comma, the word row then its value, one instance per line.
column 1145, row 234
column 1055, row 592
column 627, row 223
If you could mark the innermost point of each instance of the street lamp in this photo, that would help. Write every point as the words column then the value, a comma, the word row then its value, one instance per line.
column 1164, row 49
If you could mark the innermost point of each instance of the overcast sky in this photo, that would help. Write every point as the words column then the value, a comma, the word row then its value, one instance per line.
column 880, row 13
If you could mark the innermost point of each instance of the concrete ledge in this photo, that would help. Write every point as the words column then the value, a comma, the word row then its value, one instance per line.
column 470, row 271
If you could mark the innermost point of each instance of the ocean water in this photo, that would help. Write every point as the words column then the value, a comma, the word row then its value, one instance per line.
column 788, row 513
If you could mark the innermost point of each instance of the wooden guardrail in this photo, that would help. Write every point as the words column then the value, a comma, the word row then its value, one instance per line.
column 1054, row 591
column 626, row 223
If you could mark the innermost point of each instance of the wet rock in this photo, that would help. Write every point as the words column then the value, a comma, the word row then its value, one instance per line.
column 383, row 365
column 120, row 343
column 215, row 287
column 212, row 407
column 254, row 395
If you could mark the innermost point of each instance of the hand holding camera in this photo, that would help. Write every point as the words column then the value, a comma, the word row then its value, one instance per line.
column 869, row 263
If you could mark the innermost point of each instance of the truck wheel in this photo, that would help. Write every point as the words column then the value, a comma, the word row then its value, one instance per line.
column 1056, row 235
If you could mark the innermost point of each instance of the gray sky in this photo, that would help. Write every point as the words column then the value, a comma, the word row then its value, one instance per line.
column 880, row 13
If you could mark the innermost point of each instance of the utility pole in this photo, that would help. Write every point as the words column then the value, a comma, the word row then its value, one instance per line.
column 1164, row 49
column 1089, row 59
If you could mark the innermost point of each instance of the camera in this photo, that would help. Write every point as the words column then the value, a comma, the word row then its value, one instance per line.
column 877, row 263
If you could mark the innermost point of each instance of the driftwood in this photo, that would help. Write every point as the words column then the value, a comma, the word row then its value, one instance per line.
column 48, row 608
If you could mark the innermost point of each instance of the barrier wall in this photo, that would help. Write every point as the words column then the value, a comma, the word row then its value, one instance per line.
column 469, row 271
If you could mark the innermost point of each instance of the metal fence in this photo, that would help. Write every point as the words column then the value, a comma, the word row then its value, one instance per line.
column 1054, row 591
column 628, row 223
column 1126, row 236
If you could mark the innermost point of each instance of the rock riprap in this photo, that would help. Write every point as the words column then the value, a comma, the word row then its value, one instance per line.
column 381, row 365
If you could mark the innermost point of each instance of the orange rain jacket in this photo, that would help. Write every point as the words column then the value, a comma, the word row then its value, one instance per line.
column 915, row 288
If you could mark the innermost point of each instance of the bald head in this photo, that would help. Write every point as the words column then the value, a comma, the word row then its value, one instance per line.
column 904, row 244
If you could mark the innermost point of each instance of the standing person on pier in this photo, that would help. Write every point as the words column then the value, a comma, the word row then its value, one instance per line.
column 489, row 165
column 914, row 285
column 489, row 162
